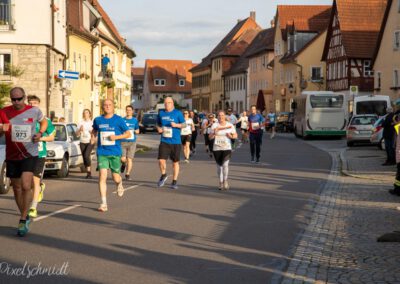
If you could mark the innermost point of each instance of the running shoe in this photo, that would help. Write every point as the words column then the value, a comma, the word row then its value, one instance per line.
column 32, row 212
column 272, row 135
column 127, row 177
column 174, row 185
column 186, row 161
column 257, row 161
column 23, row 227
column 41, row 193
column 252, row 161
column 221, row 186
column 162, row 181
column 120, row 189
column 226, row 185
column 103, row 208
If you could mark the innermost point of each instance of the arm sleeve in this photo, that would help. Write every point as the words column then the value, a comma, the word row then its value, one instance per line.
column 123, row 126
column 95, row 126
column 136, row 125
column 181, row 119
column 159, row 120
column 40, row 115
column 3, row 117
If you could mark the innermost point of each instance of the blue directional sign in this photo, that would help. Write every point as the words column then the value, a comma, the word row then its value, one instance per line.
column 65, row 74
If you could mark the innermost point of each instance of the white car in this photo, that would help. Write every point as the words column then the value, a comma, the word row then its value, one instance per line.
column 4, row 180
column 64, row 152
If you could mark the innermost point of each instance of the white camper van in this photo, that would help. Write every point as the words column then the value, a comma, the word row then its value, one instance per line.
column 371, row 104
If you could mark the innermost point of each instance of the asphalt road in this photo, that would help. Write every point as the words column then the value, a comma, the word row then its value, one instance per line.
column 195, row 234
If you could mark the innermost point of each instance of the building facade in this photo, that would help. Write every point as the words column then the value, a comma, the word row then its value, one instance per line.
column 137, row 88
column 386, row 63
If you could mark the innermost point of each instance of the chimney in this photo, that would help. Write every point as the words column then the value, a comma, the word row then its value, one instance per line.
column 273, row 23
column 253, row 15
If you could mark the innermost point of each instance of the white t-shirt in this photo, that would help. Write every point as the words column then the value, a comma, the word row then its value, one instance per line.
column 221, row 141
column 87, row 128
column 188, row 129
column 244, row 122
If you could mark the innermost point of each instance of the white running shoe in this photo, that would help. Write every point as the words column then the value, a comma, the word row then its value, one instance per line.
column 120, row 189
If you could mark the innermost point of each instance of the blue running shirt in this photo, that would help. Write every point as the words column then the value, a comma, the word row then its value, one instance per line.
column 133, row 125
column 106, row 127
column 255, row 121
column 170, row 135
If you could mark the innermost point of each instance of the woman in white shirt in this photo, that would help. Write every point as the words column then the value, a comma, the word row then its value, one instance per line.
column 244, row 127
column 186, row 135
column 222, row 132
column 86, row 141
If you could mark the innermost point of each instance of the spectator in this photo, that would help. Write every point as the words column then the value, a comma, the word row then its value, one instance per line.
column 389, row 136
column 105, row 60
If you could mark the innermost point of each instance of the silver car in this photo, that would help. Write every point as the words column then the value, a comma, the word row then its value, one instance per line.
column 377, row 133
column 359, row 129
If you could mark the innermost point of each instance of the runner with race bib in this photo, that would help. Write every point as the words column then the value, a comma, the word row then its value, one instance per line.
column 186, row 135
column 256, row 123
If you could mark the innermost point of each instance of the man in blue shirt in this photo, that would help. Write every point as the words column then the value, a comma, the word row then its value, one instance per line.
column 256, row 123
column 272, row 122
column 169, row 124
column 105, row 60
column 129, row 145
column 110, row 129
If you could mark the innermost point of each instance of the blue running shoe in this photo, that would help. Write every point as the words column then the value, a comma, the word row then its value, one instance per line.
column 174, row 185
column 162, row 181
column 23, row 227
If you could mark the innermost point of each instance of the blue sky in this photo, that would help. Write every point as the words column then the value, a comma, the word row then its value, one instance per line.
column 175, row 29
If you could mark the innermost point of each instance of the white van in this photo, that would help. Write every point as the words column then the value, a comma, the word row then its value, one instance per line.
column 371, row 104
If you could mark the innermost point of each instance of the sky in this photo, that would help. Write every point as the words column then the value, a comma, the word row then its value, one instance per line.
column 185, row 29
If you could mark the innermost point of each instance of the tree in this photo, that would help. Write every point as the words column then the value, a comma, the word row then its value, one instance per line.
column 4, row 93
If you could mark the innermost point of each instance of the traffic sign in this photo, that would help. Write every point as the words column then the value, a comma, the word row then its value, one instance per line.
column 65, row 74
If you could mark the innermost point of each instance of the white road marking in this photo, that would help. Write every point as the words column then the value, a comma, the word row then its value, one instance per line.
column 56, row 212
column 131, row 187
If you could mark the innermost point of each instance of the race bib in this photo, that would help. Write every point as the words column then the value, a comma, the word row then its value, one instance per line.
column 255, row 125
column 132, row 132
column 104, row 138
column 209, row 130
column 40, row 146
column 221, row 141
column 21, row 133
column 186, row 131
column 244, row 125
column 167, row 132
column 86, row 134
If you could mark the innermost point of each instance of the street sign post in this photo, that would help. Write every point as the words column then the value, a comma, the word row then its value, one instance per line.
column 65, row 74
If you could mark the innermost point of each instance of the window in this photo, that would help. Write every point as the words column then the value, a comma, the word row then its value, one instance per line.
column 5, row 12
column 5, row 63
column 316, row 74
column 396, row 40
column 159, row 82
column 331, row 101
column 378, row 83
column 181, row 82
column 368, row 72
column 396, row 78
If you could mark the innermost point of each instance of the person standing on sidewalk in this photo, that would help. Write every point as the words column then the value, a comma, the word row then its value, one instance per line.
column 193, row 115
column 222, row 132
column 186, row 135
column 110, row 129
column 19, row 125
column 129, row 145
column 48, row 136
column 86, row 144
column 169, row 124
column 256, row 123
column 389, row 136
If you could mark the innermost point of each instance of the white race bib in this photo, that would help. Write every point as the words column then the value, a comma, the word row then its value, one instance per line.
column 209, row 130
column 167, row 132
column 104, row 138
column 244, row 125
column 255, row 125
column 132, row 134
column 186, row 131
column 21, row 133
column 221, row 141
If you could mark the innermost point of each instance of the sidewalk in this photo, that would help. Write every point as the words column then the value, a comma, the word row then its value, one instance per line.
column 340, row 243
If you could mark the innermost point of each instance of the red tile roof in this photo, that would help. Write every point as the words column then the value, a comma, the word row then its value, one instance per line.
column 137, row 73
column 360, row 22
column 171, row 71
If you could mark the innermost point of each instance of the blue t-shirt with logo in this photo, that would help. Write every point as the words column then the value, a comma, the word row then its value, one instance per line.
column 133, row 125
column 106, row 127
column 272, row 117
column 170, row 135
column 255, row 120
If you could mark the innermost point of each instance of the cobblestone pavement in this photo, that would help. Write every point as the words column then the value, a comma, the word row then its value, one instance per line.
column 339, row 245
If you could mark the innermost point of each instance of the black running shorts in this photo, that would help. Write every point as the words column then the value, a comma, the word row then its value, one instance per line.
column 172, row 151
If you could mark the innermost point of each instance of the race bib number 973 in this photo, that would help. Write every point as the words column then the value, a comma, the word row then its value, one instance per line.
column 21, row 133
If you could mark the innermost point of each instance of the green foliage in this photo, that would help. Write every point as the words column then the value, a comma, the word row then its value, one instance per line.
column 4, row 93
column 14, row 71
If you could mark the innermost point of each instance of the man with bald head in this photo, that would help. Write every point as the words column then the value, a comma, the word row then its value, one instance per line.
column 110, row 129
column 169, row 124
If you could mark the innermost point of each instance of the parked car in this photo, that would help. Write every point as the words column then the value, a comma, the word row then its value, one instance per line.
column 284, row 122
column 377, row 133
column 64, row 152
column 148, row 122
column 359, row 129
column 4, row 180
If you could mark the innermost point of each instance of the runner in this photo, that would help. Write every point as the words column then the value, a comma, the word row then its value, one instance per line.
column 230, row 117
column 86, row 144
column 129, row 145
column 169, row 124
column 256, row 122
column 186, row 135
column 195, row 118
column 244, row 127
column 21, row 150
column 206, row 126
column 48, row 136
column 272, row 122
column 110, row 129
column 222, row 133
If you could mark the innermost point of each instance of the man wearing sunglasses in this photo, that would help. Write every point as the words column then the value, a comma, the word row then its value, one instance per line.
column 19, row 125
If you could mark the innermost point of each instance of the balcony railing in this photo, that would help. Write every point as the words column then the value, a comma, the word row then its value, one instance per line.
column 6, row 21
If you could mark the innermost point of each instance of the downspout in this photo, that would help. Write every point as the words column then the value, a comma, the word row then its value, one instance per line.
column 245, row 89
column 48, row 60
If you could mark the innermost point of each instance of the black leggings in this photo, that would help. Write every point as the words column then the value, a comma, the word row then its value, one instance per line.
column 255, row 144
column 86, row 149
column 193, row 140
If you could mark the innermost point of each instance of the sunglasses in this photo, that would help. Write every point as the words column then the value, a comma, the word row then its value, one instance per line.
column 17, row 99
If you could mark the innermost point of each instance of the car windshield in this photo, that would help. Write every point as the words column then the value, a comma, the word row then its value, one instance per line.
column 364, row 120
column 328, row 101
column 150, row 118
column 61, row 133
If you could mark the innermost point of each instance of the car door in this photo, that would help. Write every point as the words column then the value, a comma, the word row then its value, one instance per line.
column 76, row 157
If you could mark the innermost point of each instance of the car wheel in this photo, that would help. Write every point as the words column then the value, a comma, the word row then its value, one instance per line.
column 4, row 180
column 64, row 171
column 350, row 144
